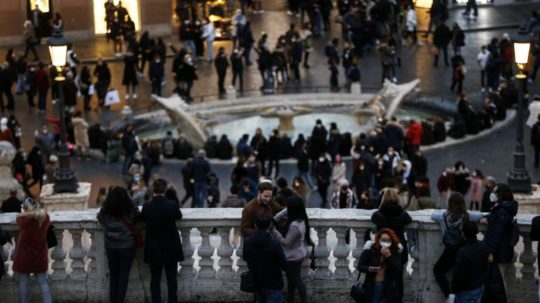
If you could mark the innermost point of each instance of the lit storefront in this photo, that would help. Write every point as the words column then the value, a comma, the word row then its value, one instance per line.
column 132, row 6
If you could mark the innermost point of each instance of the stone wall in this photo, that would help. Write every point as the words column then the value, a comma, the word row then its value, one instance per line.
column 212, row 267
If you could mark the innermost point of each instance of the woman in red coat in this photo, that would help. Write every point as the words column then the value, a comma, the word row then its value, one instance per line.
column 32, row 250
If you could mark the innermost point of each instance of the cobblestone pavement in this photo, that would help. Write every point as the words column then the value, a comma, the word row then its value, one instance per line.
column 417, row 62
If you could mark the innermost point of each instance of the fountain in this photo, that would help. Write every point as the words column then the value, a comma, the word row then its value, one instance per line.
column 296, row 114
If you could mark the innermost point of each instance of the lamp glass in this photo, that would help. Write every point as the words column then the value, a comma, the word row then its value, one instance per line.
column 58, row 55
column 521, row 51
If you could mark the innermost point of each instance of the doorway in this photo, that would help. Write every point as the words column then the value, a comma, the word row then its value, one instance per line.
column 41, row 18
column 132, row 7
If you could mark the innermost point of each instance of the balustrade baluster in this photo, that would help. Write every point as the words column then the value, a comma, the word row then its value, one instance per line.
column 225, row 253
column 341, row 252
column 76, row 254
column 205, row 251
column 527, row 258
column 187, row 265
column 322, row 253
column 523, row 287
column 58, row 256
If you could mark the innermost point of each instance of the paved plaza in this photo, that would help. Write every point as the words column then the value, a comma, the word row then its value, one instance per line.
column 492, row 154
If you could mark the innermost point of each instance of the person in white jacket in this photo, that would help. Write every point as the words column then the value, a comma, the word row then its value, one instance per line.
column 411, row 24
column 208, row 35
column 295, row 245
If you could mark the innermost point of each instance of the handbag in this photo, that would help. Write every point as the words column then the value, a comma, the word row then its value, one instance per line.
column 358, row 291
column 139, row 241
column 247, row 282
column 51, row 237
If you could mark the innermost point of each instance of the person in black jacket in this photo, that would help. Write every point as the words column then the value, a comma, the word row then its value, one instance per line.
column 157, row 72
column 103, row 75
column 302, row 164
column 487, row 204
column 225, row 148
column 471, row 267
column 129, row 143
column 535, row 140
column 200, row 168
column 391, row 215
column 441, row 39
column 187, row 176
column 11, row 204
column 498, row 239
column 266, row 261
column 162, row 246
column 274, row 145
column 221, row 63
column 381, row 262
column 117, row 216
column 237, row 68
column 322, row 170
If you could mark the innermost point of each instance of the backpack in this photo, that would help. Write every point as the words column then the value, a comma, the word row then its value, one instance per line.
column 168, row 147
column 452, row 235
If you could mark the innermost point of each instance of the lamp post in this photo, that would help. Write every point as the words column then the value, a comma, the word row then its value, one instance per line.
column 518, row 177
column 64, row 178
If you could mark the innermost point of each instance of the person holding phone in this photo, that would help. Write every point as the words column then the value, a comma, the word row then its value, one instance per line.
column 381, row 262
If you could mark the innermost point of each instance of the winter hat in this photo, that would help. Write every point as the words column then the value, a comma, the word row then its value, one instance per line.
column 3, row 124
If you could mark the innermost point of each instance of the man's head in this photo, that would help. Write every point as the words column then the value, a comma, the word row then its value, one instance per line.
column 13, row 192
column 159, row 187
column 469, row 229
column 234, row 189
column 264, row 192
column 263, row 223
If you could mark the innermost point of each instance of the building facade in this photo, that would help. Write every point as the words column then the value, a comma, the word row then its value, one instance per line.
column 82, row 19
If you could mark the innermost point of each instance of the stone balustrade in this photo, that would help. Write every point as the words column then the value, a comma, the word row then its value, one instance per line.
column 210, row 273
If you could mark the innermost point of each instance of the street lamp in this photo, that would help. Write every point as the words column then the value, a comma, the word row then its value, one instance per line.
column 64, row 178
column 518, row 177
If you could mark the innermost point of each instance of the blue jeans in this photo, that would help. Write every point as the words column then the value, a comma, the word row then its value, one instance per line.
column 305, row 175
column 471, row 296
column 42, row 98
column 269, row 296
column 127, row 162
column 200, row 193
column 376, row 296
column 23, row 287
column 119, row 261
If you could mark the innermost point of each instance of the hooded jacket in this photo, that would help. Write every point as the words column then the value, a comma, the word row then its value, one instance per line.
column 265, row 259
column 499, row 230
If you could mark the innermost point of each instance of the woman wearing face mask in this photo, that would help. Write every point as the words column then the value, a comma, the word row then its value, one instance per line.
column 391, row 215
column 498, row 238
column 381, row 262
column 451, row 221
column 32, row 250
column 300, row 188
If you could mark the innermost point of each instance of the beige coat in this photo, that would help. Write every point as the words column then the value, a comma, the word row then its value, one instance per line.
column 80, row 129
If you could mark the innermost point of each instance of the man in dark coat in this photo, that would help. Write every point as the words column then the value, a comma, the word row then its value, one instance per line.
column 200, row 168
column 266, row 261
column 237, row 68
column 11, row 204
column 471, row 266
column 394, row 133
column 221, row 63
column 157, row 73
column 535, row 140
column 129, row 143
column 162, row 247
column 441, row 39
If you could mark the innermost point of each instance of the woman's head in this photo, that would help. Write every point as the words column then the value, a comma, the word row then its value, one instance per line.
column 117, row 203
column 387, row 238
column 29, row 205
column 389, row 196
column 296, row 210
column 456, row 206
column 503, row 192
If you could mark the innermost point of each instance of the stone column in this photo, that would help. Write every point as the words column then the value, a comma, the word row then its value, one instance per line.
column 65, row 201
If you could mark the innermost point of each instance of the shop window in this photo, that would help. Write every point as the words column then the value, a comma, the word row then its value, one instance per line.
column 100, row 26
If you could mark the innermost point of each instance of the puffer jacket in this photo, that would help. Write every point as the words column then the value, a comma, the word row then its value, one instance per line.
column 392, row 216
column 117, row 234
column 499, row 231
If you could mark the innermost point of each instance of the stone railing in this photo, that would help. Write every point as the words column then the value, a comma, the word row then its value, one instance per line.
column 78, row 269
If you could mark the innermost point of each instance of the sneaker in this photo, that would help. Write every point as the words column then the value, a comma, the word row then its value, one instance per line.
column 135, row 96
column 394, row 80
column 451, row 298
column 127, row 97
column 483, row 90
column 530, row 80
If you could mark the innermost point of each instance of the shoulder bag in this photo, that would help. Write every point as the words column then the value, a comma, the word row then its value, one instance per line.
column 358, row 291
column 139, row 241
column 247, row 282
column 51, row 237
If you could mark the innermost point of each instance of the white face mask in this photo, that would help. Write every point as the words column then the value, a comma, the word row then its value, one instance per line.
column 493, row 197
column 385, row 244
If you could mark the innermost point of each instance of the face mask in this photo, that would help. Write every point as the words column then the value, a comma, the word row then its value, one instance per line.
column 136, row 179
column 385, row 244
column 321, row 159
column 493, row 197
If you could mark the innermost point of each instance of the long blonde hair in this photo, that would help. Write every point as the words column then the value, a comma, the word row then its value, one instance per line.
column 32, row 210
column 389, row 196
